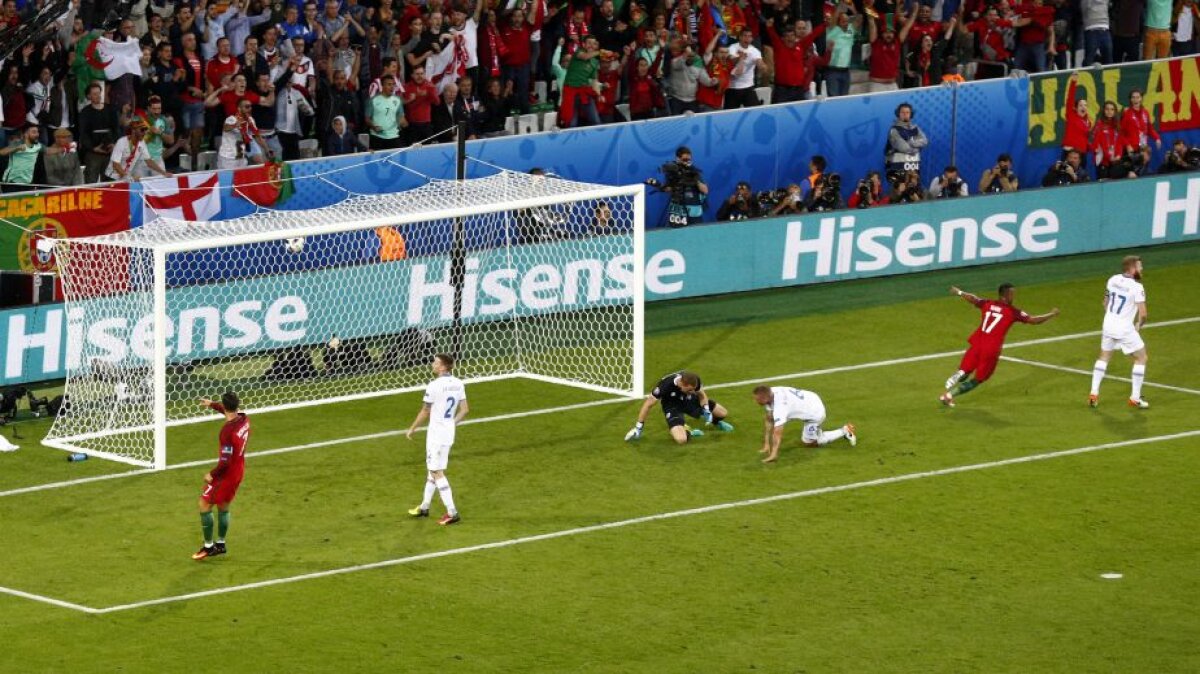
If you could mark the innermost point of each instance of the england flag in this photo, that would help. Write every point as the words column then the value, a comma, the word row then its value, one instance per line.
column 193, row 197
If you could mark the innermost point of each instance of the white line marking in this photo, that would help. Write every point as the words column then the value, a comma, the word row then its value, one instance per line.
column 567, row 408
column 636, row 520
column 47, row 600
column 1063, row 368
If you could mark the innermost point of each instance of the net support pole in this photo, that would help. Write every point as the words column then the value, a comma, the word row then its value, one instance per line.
column 458, row 250
column 639, row 291
column 160, row 359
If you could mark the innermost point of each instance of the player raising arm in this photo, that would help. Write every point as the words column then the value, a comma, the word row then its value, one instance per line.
column 681, row 394
column 1124, row 316
column 221, row 483
column 445, row 404
column 988, row 340
column 784, row 403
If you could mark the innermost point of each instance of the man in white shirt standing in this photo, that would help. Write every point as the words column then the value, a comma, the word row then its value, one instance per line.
column 741, row 85
column 445, row 405
column 468, row 28
column 784, row 403
column 1124, row 316
column 130, row 158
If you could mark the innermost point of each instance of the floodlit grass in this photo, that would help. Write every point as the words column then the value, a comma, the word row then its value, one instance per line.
column 996, row 569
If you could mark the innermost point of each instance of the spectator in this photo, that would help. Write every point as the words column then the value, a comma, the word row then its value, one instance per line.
column 39, row 93
column 686, row 74
column 494, row 108
column 741, row 83
column 1068, row 171
column 1097, row 38
column 1137, row 129
column 1079, row 122
column 471, row 109
column 999, row 178
column 228, row 96
column 385, row 117
column 904, row 143
column 924, row 67
column 685, row 184
column 292, row 108
column 62, row 160
column 160, row 132
column 98, row 129
column 517, row 58
column 130, row 159
column 826, row 195
column 948, row 185
column 869, row 192
column 344, row 102
column 22, row 159
column 341, row 140
column 468, row 28
column 885, row 50
column 1127, row 30
column 990, row 34
column 741, row 205
column 720, row 69
column 646, row 100
column 839, row 42
column 1186, row 19
column 793, row 55
column 13, row 96
column 1032, row 38
column 1106, row 140
column 1156, row 40
column 925, row 25
column 266, row 115
column 612, row 33
column 447, row 113
column 189, row 72
column 419, row 98
column 577, row 89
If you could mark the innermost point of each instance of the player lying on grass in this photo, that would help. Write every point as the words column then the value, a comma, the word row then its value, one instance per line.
column 681, row 394
column 987, row 341
column 784, row 403
column 221, row 483
column 1124, row 316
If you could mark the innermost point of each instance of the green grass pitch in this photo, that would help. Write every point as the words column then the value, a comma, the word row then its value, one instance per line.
column 993, row 569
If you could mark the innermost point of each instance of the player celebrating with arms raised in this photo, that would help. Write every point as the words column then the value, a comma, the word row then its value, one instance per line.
column 784, row 403
column 445, row 404
column 221, row 483
column 988, row 340
column 680, row 393
column 1124, row 316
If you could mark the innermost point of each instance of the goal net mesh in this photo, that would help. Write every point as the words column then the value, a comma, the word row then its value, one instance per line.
column 297, row 308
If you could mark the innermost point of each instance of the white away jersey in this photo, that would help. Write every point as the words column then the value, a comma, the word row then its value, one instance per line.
column 794, row 403
column 1122, row 296
column 443, row 396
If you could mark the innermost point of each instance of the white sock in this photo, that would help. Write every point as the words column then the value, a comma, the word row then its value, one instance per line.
column 829, row 436
column 1139, row 374
column 1098, row 371
column 443, row 487
column 430, row 488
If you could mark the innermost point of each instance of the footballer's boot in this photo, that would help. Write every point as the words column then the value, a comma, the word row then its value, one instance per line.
column 850, row 436
column 694, row 432
column 449, row 519
column 1140, row 404
column 205, row 551
column 724, row 426
column 947, row 399
column 419, row 512
column 217, row 549
column 1093, row 400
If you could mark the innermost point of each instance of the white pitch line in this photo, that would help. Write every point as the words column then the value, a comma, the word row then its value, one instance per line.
column 47, row 600
column 1063, row 368
column 567, row 408
column 630, row 522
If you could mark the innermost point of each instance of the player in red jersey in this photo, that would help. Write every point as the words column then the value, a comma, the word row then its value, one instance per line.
column 988, row 340
column 221, row 483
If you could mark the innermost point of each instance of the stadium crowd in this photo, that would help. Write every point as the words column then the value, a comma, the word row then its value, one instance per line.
column 253, row 81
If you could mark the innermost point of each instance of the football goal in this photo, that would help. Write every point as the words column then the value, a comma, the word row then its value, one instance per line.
column 517, row 275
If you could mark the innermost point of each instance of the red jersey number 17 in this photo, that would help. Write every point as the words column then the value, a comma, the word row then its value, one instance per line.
column 991, row 318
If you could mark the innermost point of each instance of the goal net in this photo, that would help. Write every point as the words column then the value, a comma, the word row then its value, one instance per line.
column 516, row 275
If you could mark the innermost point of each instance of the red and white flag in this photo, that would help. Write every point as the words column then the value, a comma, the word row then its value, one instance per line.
column 448, row 65
column 193, row 197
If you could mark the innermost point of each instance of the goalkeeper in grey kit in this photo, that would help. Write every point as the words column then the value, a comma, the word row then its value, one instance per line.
column 680, row 394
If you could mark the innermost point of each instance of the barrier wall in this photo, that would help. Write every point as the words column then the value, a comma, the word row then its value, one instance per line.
column 711, row 259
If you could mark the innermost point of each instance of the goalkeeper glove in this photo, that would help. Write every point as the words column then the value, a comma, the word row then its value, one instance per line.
column 634, row 433
column 707, row 415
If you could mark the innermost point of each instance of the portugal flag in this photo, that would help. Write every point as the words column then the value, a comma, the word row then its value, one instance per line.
column 265, row 185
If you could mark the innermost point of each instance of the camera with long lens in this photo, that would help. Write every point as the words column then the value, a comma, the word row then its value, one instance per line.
column 952, row 189
column 863, row 190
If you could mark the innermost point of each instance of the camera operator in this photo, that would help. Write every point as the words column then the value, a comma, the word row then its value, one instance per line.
column 999, row 178
column 1176, row 160
column 948, row 185
column 868, row 192
column 826, row 195
column 686, row 186
column 790, row 202
column 1066, row 172
column 906, row 188
column 741, row 205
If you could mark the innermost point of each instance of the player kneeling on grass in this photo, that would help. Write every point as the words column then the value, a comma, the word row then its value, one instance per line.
column 445, row 404
column 680, row 394
column 221, row 483
column 987, row 341
column 784, row 403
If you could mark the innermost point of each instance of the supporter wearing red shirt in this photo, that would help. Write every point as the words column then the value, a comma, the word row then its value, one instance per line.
column 1106, row 140
column 222, row 65
column 1136, row 127
column 793, row 54
column 925, row 25
column 516, row 60
column 419, row 99
column 1031, row 38
column 645, row 96
column 885, row 49
column 1079, row 122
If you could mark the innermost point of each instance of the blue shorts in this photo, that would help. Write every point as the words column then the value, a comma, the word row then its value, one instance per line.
column 193, row 115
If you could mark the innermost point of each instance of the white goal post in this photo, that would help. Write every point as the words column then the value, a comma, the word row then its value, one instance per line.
column 517, row 275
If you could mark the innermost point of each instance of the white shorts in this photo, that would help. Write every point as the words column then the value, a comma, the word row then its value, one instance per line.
column 1128, row 342
column 812, row 431
column 436, row 456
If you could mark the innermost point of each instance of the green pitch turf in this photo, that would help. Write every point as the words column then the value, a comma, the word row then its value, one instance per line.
column 907, row 569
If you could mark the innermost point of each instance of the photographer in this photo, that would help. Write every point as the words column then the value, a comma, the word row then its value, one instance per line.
column 948, row 185
column 906, row 188
column 868, row 192
column 826, row 195
column 904, row 142
column 1067, row 172
column 791, row 201
column 686, row 186
column 1176, row 160
column 741, row 205
column 999, row 178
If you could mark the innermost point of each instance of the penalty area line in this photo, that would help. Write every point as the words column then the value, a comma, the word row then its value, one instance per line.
column 675, row 514
column 568, row 408
column 1075, row 370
